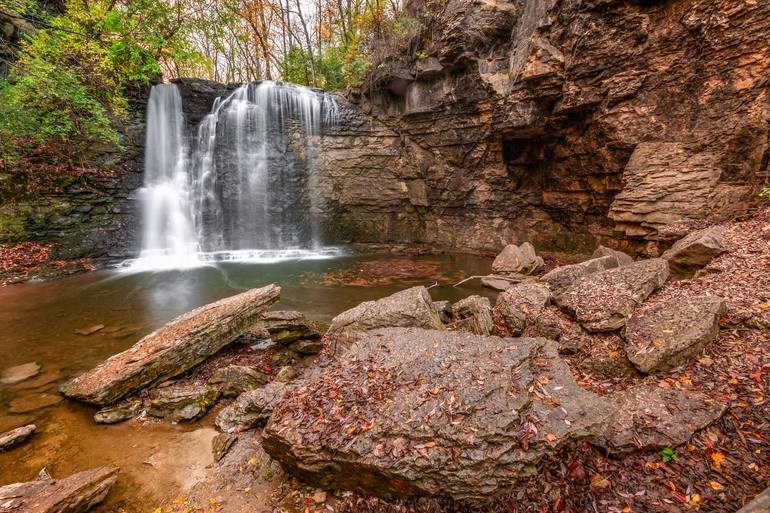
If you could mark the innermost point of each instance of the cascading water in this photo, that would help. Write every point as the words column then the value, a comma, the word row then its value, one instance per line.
column 244, row 188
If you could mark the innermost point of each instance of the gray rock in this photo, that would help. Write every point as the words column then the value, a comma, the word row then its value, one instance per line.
column 520, row 259
column 502, row 283
column 252, row 408
column 118, row 413
column 412, row 411
column 16, row 436
column 287, row 326
column 286, row 373
column 521, row 305
column 474, row 314
column 172, row 349
column 603, row 301
column 233, row 380
column 760, row 503
column 307, row 346
column 444, row 309
column 694, row 251
column 19, row 373
column 561, row 278
column 221, row 444
column 408, row 308
column 179, row 403
column 671, row 332
column 652, row 417
column 622, row 258
column 74, row 494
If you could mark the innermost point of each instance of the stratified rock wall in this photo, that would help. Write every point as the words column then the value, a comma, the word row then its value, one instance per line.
column 563, row 122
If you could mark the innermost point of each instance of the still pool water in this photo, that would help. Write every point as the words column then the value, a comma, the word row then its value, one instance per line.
column 38, row 323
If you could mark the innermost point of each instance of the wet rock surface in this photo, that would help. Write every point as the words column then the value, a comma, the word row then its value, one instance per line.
column 17, row 436
column 413, row 430
column 174, row 348
column 603, row 301
column 74, row 494
column 31, row 402
column 409, row 308
column 672, row 332
column 695, row 251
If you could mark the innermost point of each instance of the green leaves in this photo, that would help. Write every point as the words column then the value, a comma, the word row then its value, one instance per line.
column 668, row 454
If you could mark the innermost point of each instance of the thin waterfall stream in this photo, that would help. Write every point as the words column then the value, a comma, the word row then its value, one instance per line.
column 241, row 186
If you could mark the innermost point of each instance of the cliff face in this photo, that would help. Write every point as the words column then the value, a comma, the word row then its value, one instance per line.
column 565, row 122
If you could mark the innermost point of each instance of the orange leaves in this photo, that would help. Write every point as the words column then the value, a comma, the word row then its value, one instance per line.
column 717, row 458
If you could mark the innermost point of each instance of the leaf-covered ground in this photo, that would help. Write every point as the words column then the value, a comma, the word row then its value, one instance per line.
column 27, row 260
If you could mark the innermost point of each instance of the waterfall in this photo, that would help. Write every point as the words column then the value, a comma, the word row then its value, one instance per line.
column 168, row 238
column 242, row 185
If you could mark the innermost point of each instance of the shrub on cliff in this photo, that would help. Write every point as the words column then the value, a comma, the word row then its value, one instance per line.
column 66, row 91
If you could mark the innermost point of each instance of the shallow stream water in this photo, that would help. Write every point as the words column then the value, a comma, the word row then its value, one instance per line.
column 38, row 323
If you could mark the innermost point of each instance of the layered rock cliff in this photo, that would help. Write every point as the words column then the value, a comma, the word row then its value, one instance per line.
column 567, row 123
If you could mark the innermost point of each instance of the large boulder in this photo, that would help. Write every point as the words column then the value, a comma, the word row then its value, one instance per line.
column 179, row 345
column 515, row 260
column 474, row 314
column 74, row 494
column 252, row 408
column 603, row 301
column 694, row 251
column 563, row 277
column 671, row 332
column 411, row 411
column 651, row 417
column 408, row 308
column 521, row 305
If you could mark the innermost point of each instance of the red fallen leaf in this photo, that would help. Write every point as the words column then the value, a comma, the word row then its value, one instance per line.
column 679, row 497
column 577, row 471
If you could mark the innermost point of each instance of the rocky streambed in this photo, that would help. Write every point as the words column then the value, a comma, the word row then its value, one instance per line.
column 611, row 383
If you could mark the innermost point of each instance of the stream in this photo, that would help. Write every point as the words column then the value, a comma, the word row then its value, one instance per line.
column 157, row 460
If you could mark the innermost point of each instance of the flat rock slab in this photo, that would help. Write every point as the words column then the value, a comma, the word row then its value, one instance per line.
column 75, row 494
column 603, row 301
column 32, row 402
column 408, row 308
column 695, row 251
column 16, row 436
column 671, row 332
column 652, row 417
column 174, row 348
column 90, row 330
column 19, row 373
column 411, row 411
column 563, row 277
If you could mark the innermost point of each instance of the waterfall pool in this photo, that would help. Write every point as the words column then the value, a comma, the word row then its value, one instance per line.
column 159, row 460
